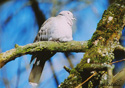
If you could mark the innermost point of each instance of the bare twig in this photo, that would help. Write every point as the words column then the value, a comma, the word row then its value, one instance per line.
column 86, row 80
column 117, row 61
column 67, row 69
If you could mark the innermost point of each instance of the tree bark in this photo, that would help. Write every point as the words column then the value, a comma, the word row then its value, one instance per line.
column 99, row 51
column 100, row 48
column 72, row 46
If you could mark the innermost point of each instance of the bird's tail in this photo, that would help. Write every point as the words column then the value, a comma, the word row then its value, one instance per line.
column 36, row 71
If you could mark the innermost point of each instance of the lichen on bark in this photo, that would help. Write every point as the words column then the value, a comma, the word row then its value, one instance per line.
column 102, row 44
column 71, row 46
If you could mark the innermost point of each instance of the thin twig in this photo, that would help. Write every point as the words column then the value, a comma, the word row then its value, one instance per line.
column 86, row 80
column 67, row 69
column 117, row 61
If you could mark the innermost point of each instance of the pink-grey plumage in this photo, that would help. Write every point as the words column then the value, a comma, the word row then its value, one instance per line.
column 57, row 28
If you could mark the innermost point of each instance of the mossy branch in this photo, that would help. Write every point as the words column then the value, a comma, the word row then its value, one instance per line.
column 99, row 50
column 119, row 78
column 119, row 52
column 72, row 46
column 101, row 47
column 120, row 48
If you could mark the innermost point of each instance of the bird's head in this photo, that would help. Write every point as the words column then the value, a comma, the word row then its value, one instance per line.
column 68, row 15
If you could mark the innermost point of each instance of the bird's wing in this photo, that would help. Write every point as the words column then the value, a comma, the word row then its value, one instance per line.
column 40, row 57
column 43, row 33
column 44, row 30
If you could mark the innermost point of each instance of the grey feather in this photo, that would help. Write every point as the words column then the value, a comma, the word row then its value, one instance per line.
column 57, row 28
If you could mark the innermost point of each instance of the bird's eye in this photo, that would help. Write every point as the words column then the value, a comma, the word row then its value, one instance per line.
column 68, row 13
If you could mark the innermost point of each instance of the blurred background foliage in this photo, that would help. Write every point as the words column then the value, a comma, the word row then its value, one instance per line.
column 20, row 21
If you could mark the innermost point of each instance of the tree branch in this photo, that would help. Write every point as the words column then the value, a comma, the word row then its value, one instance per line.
column 100, row 47
column 40, row 17
column 119, row 52
column 119, row 78
column 72, row 46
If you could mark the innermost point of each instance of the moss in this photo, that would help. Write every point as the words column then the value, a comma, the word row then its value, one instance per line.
column 107, row 30
column 90, row 43
column 104, row 40
column 72, row 81
column 19, row 49
column 90, row 84
column 16, row 45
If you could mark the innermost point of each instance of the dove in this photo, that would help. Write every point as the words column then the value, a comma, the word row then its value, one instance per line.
column 57, row 28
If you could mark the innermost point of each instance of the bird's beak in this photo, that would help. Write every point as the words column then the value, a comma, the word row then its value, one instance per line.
column 73, row 18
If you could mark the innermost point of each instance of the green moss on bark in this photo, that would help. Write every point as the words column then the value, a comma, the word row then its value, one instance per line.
column 103, row 42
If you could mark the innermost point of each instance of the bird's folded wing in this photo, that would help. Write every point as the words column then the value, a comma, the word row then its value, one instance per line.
column 44, row 30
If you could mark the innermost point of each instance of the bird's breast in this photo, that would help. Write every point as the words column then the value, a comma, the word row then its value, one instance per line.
column 61, row 31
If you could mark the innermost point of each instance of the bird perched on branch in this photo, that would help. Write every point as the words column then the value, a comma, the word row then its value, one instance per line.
column 57, row 28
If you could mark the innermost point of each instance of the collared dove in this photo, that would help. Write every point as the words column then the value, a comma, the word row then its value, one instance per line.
column 57, row 28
